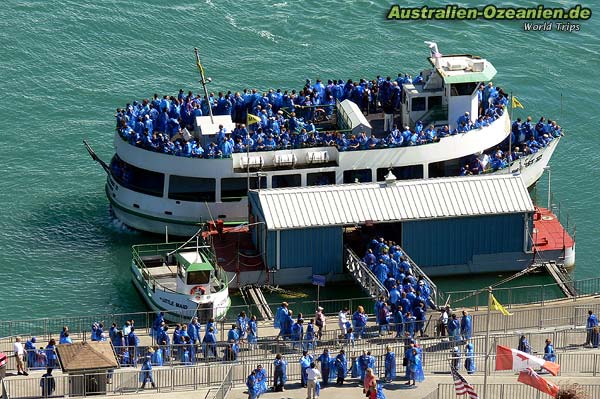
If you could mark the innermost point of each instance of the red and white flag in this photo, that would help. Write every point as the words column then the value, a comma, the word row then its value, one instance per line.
column 461, row 386
column 531, row 378
column 512, row 359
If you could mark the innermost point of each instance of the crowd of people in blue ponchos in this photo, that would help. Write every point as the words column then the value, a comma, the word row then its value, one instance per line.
column 162, row 124
column 327, row 368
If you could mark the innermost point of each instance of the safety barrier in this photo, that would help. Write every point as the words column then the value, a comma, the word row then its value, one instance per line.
column 504, row 391
column 542, row 294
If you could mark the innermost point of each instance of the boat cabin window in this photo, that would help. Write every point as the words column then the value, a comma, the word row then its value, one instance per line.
column 463, row 89
column 235, row 188
column 198, row 277
column 434, row 101
column 418, row 104
column 320, row 179
column 196, row 189
column 137, row 179
column 402, row 172
column 280, row 181
column 359, row 175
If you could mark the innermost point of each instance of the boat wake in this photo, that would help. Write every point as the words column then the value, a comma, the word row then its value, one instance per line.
column 113, row 223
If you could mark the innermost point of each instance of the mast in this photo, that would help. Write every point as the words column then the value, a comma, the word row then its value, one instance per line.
column 204, row 81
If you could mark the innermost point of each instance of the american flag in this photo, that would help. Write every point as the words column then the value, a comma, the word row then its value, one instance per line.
column 462, row 387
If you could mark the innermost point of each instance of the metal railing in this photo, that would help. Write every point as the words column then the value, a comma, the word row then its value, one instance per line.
column 528, row 294
column 504, row 391
column 225, row 387
column 363, row 275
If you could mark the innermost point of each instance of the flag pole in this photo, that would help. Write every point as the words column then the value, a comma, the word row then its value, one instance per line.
column 204, row 81
column 487, row 340
column 510, row 135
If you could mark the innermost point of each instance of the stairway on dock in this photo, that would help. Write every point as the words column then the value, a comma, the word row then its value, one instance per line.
column 253, row 294
column 562, row 278
column 371, row 284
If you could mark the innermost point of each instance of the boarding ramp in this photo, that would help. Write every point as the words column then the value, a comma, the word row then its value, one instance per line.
column 363, row 275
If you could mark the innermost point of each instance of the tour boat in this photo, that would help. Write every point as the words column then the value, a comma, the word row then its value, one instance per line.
column 181, row 279
column 167, row 192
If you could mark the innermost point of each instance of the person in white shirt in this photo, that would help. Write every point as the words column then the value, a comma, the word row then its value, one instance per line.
column 313, row 376
column 343, row 320
column 20, row 355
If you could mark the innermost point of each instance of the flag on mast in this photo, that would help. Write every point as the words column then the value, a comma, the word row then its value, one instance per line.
column 531, row 378
column 252, row 119
column 516, row 103
column 498, row 306
column 512, row 359
column 461, row 386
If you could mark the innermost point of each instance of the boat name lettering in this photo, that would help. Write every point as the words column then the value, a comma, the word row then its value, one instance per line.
column 529, row 163
column 173, row 303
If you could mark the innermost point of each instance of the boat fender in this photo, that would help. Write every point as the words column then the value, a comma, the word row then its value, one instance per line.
column 197, row 290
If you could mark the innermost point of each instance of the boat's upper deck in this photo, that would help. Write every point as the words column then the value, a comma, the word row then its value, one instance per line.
column 463, row 68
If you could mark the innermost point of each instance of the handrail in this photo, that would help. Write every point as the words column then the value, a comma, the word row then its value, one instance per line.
column 364, row 276
column 417, row 271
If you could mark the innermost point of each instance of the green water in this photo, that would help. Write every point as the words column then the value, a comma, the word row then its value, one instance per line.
column 65, row 66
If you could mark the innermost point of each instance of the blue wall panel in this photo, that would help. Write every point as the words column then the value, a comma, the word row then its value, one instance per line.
column 455, row 241
column 319, row 248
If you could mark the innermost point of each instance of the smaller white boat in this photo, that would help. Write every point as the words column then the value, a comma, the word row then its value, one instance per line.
column 181, row 279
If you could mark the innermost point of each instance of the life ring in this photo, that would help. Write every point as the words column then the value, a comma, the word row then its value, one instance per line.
column 198, row 289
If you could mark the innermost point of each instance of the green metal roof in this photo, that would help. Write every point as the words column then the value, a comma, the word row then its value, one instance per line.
column 199, row 263
column 451, row 77
column 486, row 75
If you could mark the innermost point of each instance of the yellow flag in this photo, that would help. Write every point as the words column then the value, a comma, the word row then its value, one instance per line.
column 498, row 306
column 516, row 103
column 252, row 119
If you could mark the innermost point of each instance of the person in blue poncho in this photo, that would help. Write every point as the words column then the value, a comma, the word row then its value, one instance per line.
column 279, row 373
column 524, row 345
column 470, row 359
column 390, row 365
column 252, row 331
column 592, row 321
column 252, row 385
column 261, row 380
column 309, row 336
column 453, row 328
column 327, row 367
column 31, row 352
column 209, row 343
column 51, row 353
column 305, row 362
column 549, row 354
column 280, row 316
column 363, row 362
column 359, row 322
column 233, row 334
column 466, row 326
column 297, row 333
column 415, row 368
column 146, row 373
column 341, row 367
column 194, row 330
column 156, row 356
column 242, row 326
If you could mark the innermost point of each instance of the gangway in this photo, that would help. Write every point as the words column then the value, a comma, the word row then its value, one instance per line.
column 255, row 295
column 562, row 278
column 371, row 284
column 363, row 275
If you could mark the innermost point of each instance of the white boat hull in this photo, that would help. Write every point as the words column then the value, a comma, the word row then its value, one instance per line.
column 179, row 306
column 183, row 218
